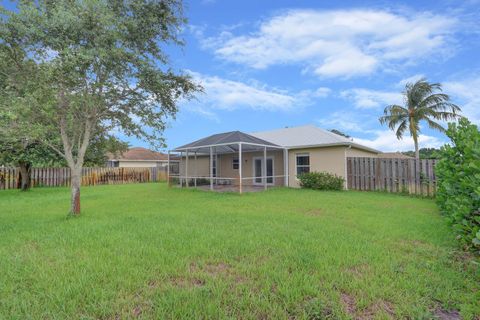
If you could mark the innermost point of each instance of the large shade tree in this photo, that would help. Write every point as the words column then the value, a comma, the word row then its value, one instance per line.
column 103, row 64
column 21, row 87
column 423, row 102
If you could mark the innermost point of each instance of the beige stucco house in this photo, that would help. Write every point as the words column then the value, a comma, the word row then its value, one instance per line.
column 267, row 158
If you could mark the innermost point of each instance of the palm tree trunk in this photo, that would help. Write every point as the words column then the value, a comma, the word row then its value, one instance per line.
column 417, row 161
column 417, row 151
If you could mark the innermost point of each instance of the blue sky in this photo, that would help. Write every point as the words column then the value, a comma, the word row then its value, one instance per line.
column 271, row 64
column 334, row 64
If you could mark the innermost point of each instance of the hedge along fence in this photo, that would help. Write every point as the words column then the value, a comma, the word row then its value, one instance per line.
column 61, row 177
column 392, row 175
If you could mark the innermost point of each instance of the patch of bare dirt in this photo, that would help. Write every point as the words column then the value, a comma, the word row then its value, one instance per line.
column 274, row 288
column 153, row 284
column 137, row 311
column 376, row 308
column 350, row 306
column 443, row 314
column 314, row 212
column 349, row 303
column 262, row 316
column 213, row 269
column 183, row 282
column 358, row 270
column 177, row 281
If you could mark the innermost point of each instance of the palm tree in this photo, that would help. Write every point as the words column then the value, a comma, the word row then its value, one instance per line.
column 423, row 101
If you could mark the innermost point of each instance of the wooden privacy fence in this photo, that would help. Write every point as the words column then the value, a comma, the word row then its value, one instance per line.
column 392, row 175
column 60, row 177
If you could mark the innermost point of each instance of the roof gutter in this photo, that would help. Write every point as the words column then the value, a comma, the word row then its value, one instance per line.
column 347, row 144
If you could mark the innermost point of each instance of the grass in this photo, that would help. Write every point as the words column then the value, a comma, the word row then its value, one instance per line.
column 146, row 251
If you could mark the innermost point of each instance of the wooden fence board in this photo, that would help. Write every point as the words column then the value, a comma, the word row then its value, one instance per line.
column 61, row 177
column 392, row 175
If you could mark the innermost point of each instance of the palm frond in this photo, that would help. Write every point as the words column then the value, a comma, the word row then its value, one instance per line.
column 445, row 115
column 434, row 100
column 401, row 129
column 393, row 115
column 434, row 125
column 424, row 101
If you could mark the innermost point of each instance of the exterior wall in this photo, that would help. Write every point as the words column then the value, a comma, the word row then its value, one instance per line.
column 139, row 164
column 354, row 152
column 225, row 166
column 329, row 159
column 202, row 166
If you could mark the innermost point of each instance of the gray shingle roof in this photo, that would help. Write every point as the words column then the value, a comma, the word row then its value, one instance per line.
column 232, row 137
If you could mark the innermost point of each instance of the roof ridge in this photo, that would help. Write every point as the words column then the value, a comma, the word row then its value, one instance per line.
column 285, row 128
column 333, row 134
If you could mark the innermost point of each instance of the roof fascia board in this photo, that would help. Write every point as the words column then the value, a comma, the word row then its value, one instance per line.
column 346, row 144
column 228, row 144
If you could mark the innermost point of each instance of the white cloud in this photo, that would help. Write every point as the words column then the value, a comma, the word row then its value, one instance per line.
column 387, row 141
column 343, row 120
column 335, row 43
column 412, row 79
column 466, row 93
column 321, row 92
column 372, row 99
column 224, row 94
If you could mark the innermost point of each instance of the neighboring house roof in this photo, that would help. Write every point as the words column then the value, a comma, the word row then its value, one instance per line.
column 394, row 155
column 307, row 136
column 139, row 154
column 221, row 141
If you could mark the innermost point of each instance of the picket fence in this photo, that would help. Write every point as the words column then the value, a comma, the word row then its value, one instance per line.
column 392, row 175
column 60, row 177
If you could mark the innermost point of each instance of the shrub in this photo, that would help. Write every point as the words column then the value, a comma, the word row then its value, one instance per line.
column 321, row 181
column 458, row 174
column 200, row 182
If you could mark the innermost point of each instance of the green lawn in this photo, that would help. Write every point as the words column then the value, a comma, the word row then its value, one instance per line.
column 146, row 251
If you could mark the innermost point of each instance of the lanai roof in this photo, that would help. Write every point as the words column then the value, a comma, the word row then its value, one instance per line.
column 227, row 142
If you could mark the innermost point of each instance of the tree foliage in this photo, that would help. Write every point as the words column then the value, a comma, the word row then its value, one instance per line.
column 425, row 153
column 458, row 174
column 423, row 101
column 340, row 133
column 102, row 65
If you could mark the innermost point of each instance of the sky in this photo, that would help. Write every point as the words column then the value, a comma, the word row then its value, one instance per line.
column 334, row 64
column 268, row 64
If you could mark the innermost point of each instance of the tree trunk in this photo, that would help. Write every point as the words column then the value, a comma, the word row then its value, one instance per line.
column 417, row 151
column 25, row 168
column 75, row 197
column 417, row 160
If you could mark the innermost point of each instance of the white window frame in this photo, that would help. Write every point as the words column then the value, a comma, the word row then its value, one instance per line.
column 303, row 154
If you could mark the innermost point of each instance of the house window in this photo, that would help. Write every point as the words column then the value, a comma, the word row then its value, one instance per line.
column 303, row 163
column 113, row 163
column 235, row 164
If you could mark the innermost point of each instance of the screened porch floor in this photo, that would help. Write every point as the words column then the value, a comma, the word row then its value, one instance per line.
column 233, row 188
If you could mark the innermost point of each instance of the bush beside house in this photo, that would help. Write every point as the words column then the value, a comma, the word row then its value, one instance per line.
column 321, row 181
column 458, row 174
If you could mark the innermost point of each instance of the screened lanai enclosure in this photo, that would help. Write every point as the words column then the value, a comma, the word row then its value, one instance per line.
column 231, row 162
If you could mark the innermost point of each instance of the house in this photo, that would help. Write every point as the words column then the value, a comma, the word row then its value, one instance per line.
column 238, row 160
column 139, row 157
